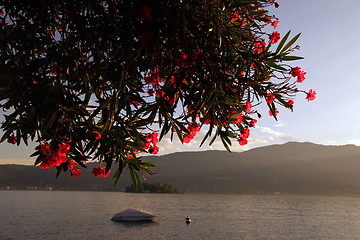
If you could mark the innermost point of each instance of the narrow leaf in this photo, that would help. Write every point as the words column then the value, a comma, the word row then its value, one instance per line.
column 282, row 42
column 291, row 42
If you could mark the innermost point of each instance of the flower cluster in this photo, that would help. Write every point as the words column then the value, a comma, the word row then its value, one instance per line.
column 12, row 139
column 74, row 171
column 297, row 72
column 274, row 37
column 192, row 129
column 100, row 172
column 52, row 157
column 151, row 140
column 244, row 135
column 159, row 76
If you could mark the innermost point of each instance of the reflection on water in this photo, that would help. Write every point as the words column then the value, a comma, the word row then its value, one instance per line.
column 86, row 215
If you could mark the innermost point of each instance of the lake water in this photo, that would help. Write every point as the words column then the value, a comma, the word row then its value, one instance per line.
column 86, row 215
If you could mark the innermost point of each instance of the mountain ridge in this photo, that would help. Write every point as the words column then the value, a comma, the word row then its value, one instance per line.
column 290, row 168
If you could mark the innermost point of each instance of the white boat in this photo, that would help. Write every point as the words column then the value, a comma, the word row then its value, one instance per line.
column 134, row 215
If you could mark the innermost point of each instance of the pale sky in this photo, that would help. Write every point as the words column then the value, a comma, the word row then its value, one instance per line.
column 330, row 45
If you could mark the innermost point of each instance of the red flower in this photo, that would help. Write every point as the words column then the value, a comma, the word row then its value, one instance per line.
column 275, row 24
column 205, row 121
column 74, row 171
column 291, row 103
column 12, row 140
column 248, row 106
column 181, row 59
column 44, row 148
column 301, row 76
column 100, row 172
column 310, row 96
column 243, row 142
column 144, row 11
column 153, row 138
column 193, row 128
column 150, row 142
column 153, row 78
column 245, row 133
column 234, row 17
column 97, row 135
column 295, row 71
column 154, row 149
column 253, row 122
column 54, row 158
column 270, row 98
column 274, row 113
column 238, row 119
column 259, row 47
column 274, row 37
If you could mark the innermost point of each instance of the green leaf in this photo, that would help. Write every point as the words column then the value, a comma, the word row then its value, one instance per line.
column 117, row 174
column 58, row 168
column 272, row 64
column 291, row 42
column 282, row 42
column 225, row 144
column 6, row 134
column 38, row 160
column 208, row 134
column 291, row 58
column 35, row 154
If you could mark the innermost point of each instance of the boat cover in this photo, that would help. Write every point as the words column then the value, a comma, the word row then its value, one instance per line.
column 133, row 215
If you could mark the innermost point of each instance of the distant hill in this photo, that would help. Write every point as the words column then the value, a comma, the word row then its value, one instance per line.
column 291, row 168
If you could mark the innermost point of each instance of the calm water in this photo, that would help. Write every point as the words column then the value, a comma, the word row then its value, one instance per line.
column 86, row 215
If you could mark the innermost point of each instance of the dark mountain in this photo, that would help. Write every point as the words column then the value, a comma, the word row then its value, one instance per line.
column 291, row 168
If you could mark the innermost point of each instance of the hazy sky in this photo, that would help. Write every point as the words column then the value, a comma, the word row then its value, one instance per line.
column 330, row 45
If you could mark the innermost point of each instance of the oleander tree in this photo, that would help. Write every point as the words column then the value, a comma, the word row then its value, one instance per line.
column 105, row 80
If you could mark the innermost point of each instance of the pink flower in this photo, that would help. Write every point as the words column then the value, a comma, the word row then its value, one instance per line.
column 310, row 96
column 270, row 98
column 100, row 172
column 274, row 37
column 248, row 107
